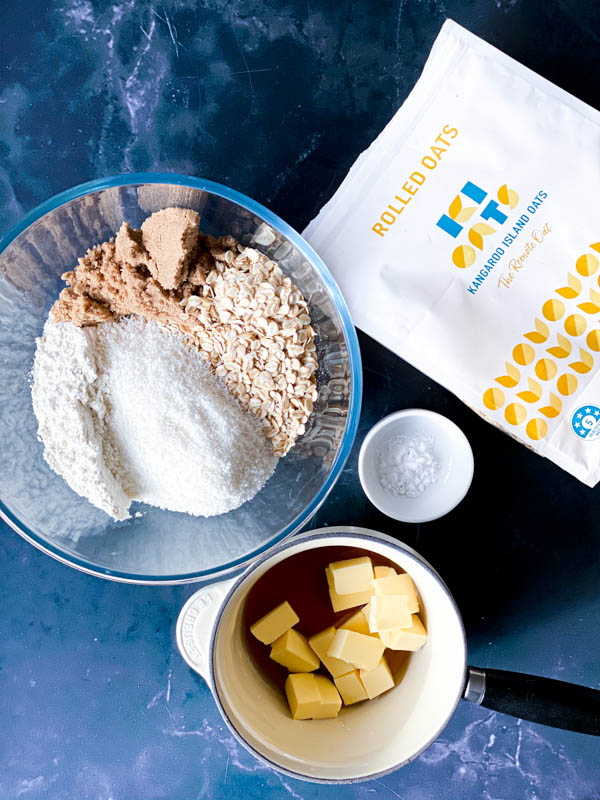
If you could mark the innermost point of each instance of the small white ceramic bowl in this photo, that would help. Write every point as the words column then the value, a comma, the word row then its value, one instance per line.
column 452, row 451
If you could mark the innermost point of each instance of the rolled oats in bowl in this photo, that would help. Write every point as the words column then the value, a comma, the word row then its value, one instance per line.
column 252, row 324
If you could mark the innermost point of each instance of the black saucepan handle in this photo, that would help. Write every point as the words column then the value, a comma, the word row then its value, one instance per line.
column 561, row 705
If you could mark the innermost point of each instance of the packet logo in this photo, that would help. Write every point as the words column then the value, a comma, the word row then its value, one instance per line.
column 586, row 422
column 460, row 212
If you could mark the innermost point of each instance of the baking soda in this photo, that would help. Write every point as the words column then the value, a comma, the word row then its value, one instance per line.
column 407, row 465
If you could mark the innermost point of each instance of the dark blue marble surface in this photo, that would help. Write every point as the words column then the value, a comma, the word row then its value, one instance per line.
column 277, row 99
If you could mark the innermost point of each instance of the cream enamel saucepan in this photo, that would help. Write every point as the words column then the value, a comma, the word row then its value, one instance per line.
column 371, row 738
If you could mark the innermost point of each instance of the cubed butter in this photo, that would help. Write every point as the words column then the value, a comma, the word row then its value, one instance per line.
column 378, row 680
column 363, row 652
column 411, row 638
column 312, row 696
column 352, row 575
column 343, row 602
column 398, row 584
column 320, row 643
column 383, row 572
column 275, row 623
column 331, row 702
column 293, row 651
column 351, row 688
column 388, row 611
column 303, row 695
column 356, row 622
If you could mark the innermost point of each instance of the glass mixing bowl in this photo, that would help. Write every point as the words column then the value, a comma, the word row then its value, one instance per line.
column 161, row 546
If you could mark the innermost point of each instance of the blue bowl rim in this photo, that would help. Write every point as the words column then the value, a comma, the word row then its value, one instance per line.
column 136, row 179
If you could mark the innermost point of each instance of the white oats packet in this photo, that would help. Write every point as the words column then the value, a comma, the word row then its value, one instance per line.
column 467, row 240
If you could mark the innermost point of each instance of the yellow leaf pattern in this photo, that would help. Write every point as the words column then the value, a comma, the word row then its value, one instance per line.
column 466, row 214
column 554, row 409
column 540, row 334
column 593, row 306
column 512, row 377
column 455, row 207
column 533, row 394
column 572, row 290
column 478, row 231
column 564, row 347
column 457, row 212
column 586, row 363
column 553, row 310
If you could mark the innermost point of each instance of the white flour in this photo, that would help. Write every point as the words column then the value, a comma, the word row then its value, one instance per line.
column 71, row 414
column 127, row 411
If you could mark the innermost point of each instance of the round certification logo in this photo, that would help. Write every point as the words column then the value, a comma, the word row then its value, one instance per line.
column 586, row 422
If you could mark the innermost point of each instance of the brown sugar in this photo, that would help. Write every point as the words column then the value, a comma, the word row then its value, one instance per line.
column 170, row 236
column 103, row 288
column 146, row 272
